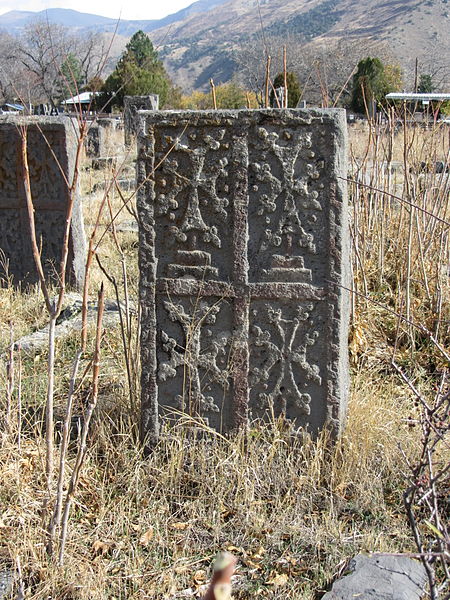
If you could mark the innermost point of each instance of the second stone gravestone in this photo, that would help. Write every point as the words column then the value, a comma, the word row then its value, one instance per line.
column 51, row 158
column 131, row 106
column 99, row 141
column 244, row 261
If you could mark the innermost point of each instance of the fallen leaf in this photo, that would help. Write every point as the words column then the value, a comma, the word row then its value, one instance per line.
column 181, row 570
column 199, row 576
column 146, row 537
column 278, row 580
column 235, row 550
column 180, row 525
column 101, row 548
column 253, row 565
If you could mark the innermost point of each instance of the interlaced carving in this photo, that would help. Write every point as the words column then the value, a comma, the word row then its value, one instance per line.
column 200, row 189
column 289, row 191
column 282, row 354
column 243, row 253
column 193, row 358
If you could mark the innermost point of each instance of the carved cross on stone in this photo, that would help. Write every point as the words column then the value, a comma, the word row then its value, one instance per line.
column 51, row 152
column 243, row 252
column 192, row 358
column 290, row 353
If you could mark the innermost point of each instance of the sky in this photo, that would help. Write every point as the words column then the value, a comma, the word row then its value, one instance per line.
column 125, row 9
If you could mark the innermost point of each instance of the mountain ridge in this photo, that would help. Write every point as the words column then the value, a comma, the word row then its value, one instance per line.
column 410, row 28
column 15, row 20
column 202, row 40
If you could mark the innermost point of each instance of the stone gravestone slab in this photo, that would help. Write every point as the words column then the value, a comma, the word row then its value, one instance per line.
column 131, row 106
column 98, row 141
column 51, row 157
column 94, row 141
column 243, row 251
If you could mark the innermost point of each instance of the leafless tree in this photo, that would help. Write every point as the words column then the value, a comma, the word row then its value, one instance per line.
column 93, row 52
column 12, row 80
column 426, row 497
column 324, row 68
column 41, row 50
column 39, row 54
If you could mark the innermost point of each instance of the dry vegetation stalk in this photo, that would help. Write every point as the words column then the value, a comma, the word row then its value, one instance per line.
column 213, row 94
column 267, row 83
column 55, row 521
column 82, row 448
column 10, row 380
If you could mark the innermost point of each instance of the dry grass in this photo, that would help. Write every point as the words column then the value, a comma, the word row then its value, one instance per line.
column 293, row 510
column 149, row 528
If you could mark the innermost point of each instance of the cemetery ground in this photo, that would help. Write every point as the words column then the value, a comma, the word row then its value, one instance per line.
column 293, row 510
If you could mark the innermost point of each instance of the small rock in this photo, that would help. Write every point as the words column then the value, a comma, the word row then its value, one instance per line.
column 104, row 162
column 380, row 577
column 70, row 321
column 125, row 185
column 7, row 578
column 126, row 226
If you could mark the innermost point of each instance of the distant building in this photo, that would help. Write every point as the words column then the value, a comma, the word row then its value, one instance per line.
column 416, row 97
column 11, row 108
column 430, row 103
column 81, row 101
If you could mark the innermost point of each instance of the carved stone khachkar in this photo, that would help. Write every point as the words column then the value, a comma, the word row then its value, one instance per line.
column 244, row 259
column 131, row 105
column 51, row 158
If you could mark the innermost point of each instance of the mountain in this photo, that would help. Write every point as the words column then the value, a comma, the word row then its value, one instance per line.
column 14, row 21
column 211, row 38
column 203, row 46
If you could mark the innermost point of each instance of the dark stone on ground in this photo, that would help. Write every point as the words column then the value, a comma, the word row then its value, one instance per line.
column 7, row 578
column 380, row 577
column 103, row 163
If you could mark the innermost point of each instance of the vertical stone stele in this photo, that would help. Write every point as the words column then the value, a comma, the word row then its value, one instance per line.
column 244, row 264
column 131, row 106
column 51, row 150
column 97, row 142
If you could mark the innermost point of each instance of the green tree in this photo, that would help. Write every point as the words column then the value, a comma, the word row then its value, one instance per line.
column 71, row 76
column 230, row 95
column 139, row 72
column 426, row 85
column 371, row 82
column 293, row 85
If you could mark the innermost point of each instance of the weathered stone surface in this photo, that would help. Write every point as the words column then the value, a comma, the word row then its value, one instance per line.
column 243, row 249
column 7, row 578
column 125, row 185
column 105, row 162
column 97, row 141
column 51, row 157
column 93, row 143
column 70, row 321
column 380, row 577
column 129, row 226
column 131, row 105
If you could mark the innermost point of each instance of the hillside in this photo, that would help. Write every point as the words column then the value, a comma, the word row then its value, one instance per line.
column 202, row 46
column 211, row 38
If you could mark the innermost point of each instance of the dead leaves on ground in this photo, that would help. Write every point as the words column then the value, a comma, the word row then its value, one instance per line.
column 101, row 549
column 258, row 571
column 147, row 537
